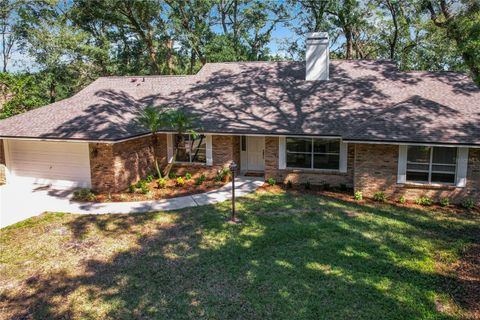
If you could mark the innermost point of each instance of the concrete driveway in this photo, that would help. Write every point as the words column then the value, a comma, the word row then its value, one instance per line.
column 19, row 202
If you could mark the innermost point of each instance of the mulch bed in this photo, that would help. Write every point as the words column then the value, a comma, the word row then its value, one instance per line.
column 156, row 193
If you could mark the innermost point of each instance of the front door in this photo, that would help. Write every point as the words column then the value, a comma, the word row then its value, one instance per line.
column 255, row 153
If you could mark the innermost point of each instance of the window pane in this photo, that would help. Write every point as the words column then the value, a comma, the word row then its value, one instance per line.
column 444, row 155
column 299, row 160
column 418, row 154
column 244, row 143
column 443, row 177
column 321, row 161
column 326, row 146
column 441, row 168
column 299, row 145
column 199, row 155
column 417, row 176
column 182, row 155
column 418, row 167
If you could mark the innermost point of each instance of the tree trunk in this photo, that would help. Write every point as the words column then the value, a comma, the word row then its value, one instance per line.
column 349, row 44
column 193, row 60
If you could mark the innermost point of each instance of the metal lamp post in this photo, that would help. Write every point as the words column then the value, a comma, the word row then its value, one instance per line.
column 233, row 167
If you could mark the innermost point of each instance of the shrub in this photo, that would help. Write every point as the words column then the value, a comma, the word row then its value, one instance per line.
column 84, row 195
column 149, row 178
column 308, row 185
column 162, row 183
column 402, row 199
column 424, row 201
column 223, row 174
column 289, row 184
column 180, row 181
column 358, row 195
column 271, row 181
column 379, row 196
column 444, row 202
column 172, row 175
column 200, row 180
column 144, row 190
column 188, row 176
column 468, row 203
column 131, row 188
column 141, row 184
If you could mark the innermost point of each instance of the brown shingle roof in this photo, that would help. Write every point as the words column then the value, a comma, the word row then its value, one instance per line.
column 363, row 100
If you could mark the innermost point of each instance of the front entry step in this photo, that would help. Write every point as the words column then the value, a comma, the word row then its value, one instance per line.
column 254, row 174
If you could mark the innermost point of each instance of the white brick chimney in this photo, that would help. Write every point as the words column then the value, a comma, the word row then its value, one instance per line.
column 317, row 56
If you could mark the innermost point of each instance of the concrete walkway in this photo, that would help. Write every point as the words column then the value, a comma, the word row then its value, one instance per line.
column 21, row 202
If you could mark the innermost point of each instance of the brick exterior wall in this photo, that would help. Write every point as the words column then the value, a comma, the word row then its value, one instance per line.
column 3, row 178
column 115, row 166
column 376, row 170
column 297, row 176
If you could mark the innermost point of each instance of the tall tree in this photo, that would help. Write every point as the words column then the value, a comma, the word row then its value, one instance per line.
column 461, row 21
column 8, row 22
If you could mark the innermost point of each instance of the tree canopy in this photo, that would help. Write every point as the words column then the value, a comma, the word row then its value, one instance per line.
column 71, row 43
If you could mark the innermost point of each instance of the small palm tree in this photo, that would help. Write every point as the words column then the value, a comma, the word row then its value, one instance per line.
column 153, row 119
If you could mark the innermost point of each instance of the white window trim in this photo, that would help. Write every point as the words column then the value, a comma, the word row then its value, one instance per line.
column 342, row 155
column 460, row 168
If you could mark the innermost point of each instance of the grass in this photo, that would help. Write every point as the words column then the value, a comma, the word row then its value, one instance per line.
column 293, row 257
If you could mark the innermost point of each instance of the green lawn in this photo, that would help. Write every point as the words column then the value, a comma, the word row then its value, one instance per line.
column 294, row 257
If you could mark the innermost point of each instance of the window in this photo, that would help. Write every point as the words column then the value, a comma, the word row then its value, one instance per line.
column 190, row 149
column 431, row 164
column 311, row 153
column 244, row 143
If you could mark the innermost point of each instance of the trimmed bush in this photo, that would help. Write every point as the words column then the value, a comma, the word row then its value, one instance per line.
column 358, row 195
column 200, row 180
column 271, row 181
column 162, row 183
column 84, row 195
column 188, row 176
column 379, row 196
column 424, row 201
column 289, row 184
column 444, row 202
column 402, row 199
column 468, row 203
column 180, row 181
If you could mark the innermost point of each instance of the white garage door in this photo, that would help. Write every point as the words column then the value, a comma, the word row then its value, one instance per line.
column 64, row 164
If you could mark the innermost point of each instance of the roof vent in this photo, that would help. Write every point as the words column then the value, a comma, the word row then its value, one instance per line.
column 317, row 56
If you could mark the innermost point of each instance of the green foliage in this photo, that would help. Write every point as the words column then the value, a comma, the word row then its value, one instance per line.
column 444, row 202
column 172, row 175
column 188, row 176
column 162, row 183
column 141, row 184
column 200, row 180
column 180, row 181
column 131, row 188
column 223, row 174
column 424, row 201
column 379, row 196
column 84, row 195
column 289, row 184
column 468, row 203
column 144, row 189
column 402, row 200
column 358, row 195
column 149, row 178
column 271, row 181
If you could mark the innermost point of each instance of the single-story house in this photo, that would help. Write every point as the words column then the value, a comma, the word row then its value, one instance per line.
column 362, row 124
